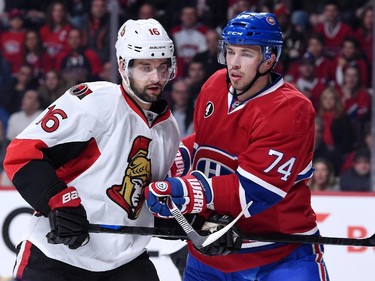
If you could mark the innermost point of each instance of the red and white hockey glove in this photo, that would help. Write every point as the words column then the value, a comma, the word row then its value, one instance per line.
column 191, row 194
column 68, row 219
column 181, row 164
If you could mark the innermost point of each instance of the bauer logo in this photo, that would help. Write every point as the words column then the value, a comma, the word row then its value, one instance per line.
column 162, row 186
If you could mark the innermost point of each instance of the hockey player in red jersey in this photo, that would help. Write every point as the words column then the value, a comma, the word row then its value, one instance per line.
column 88, row 157
column 253, row 142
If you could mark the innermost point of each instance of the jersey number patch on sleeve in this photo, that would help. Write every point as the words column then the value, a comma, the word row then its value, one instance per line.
column 286, row 166
column 50, row 121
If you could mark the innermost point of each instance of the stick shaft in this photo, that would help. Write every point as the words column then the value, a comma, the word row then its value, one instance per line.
column 175, row 233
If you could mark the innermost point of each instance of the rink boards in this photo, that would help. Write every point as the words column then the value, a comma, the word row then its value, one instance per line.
column 339, row 215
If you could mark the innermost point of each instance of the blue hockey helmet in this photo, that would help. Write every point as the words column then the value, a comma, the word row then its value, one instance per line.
column 248, row 28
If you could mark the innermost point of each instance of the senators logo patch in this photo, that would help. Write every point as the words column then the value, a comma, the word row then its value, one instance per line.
column 80, row 91
column 129, row 194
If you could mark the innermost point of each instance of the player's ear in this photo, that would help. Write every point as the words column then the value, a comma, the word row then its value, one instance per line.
column 271, row 61
column 121, row 66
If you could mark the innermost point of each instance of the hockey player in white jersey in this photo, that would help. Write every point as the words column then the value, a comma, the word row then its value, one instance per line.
column 87, row 158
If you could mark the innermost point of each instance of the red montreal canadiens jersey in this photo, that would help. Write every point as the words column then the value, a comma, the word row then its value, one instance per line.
column 259, row 150
column 98, row 140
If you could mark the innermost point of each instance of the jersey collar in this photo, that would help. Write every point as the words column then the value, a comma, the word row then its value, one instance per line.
column 160, row 107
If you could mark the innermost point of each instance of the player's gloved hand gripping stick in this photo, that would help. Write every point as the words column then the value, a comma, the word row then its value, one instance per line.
column 68, row 220
column 189, row 194
column 229, row 242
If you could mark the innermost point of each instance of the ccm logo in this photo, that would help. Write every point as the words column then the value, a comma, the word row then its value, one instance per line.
column 67, row 197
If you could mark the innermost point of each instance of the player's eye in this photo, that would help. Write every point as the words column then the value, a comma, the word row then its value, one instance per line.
column 230, row 52
column 162, row 68
column 146, row 68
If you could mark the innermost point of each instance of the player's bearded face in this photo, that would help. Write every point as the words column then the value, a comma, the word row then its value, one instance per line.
column 150, row 92
column 242, row 64
column 148, row 77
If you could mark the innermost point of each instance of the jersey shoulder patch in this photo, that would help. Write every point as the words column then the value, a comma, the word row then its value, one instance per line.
column 80, row 91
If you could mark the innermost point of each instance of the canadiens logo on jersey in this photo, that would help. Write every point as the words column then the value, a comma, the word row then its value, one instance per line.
column 129, row 195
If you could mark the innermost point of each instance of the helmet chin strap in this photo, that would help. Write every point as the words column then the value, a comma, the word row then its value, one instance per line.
column 257, row 75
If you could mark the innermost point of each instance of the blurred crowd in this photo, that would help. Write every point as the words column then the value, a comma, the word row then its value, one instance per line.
column 48, row 46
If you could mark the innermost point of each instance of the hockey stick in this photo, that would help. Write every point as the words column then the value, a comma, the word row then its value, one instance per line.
column 200, row 241
column 280, row 238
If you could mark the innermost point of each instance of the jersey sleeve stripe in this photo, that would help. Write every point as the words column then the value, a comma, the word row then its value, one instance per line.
column 305, row 174
column 246, row 175
column 262, row 198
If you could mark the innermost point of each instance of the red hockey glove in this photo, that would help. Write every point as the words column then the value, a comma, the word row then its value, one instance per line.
column 181, row 164
column 68, row 219
column 191, row 194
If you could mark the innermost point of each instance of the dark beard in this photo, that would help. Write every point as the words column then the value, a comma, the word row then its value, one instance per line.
column 141, row 93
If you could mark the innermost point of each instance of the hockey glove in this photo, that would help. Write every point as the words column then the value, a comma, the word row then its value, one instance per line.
column 191, row 194
column 230, row 242
column 68, row 219
column 181, row 164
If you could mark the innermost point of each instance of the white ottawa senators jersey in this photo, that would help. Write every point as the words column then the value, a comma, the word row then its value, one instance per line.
column 259, row 150
column 98, row 140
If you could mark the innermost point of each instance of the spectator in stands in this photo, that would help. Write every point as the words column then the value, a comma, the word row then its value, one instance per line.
column 30, row 109
column 3, row 146
column 147, row 11
column 23, row 81
column 365, row 143
column 332, row 28
column 308, row 83
column 364, row 35
column 209, row 57
column 54, row 32
column 214, row 14
column 239, row 6
column 357, row 178
column 78, row 11
column 323, row 63
column 189, row 36
column 105, row 74
column 95, row 30
column 11, row 41
column 34, row 11
column 79, row 63
column 324, row 178
column 180, row 99
column 356, row 99
column 322, row 150
column 18, row 121
column 337, row 131
column 350, row 54
column 364, row 32
column 52, row 86
column 294, row 43
column 35, row 54
column 195, row 77
column 5, row 80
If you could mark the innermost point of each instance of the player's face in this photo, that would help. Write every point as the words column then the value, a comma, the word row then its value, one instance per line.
column 242, row 62
column 148, row 78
